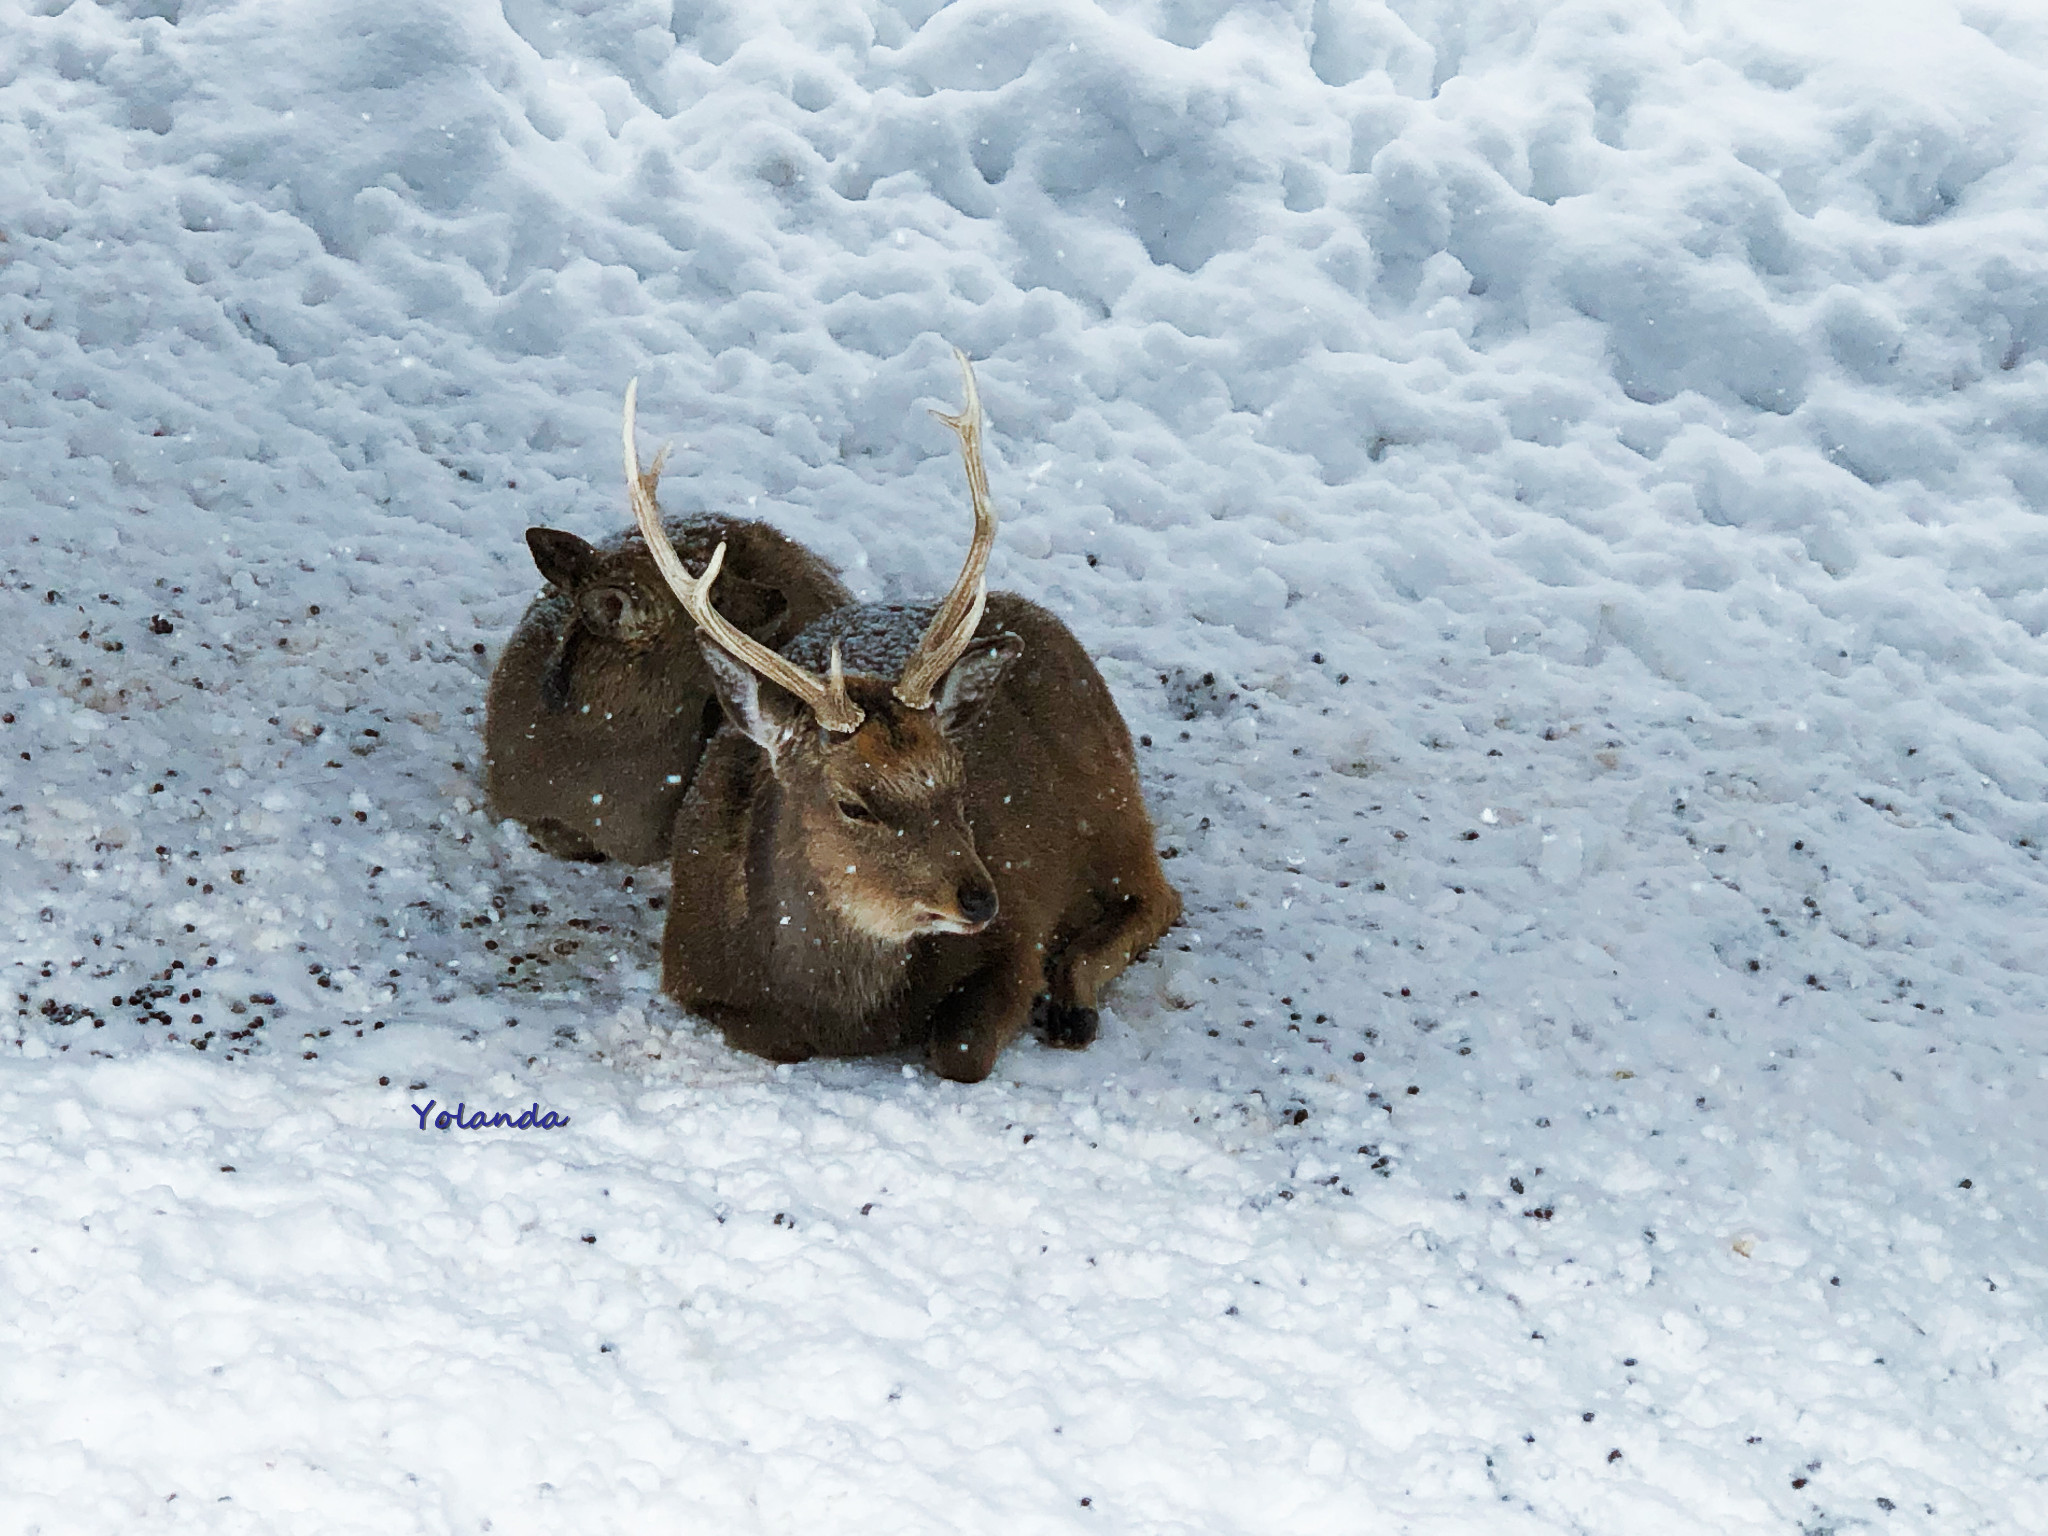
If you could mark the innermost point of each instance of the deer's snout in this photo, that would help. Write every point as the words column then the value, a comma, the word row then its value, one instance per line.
column 977, row 900
column 974, row 907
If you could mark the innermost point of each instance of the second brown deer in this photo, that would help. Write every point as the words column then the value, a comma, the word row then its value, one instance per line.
column 920, row 827
column 601, row 704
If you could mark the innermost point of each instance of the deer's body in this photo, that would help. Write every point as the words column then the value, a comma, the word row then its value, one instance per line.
column 773, row 938
column 920, row 827
column 601, row 703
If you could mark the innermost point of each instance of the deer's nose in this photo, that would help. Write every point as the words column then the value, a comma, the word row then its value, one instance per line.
column 977, row 901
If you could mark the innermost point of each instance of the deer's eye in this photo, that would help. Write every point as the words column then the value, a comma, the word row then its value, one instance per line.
column 853, row 810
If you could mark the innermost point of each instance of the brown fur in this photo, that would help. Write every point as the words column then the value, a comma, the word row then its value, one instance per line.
column 1030, row 789
column 602, row 692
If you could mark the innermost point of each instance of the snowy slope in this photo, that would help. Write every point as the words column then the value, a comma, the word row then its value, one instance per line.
column 1559, row 490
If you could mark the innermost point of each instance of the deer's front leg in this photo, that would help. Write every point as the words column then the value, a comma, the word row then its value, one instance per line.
column 983, row 1014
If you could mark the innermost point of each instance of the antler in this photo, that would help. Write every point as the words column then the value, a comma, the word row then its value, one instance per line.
column 947, row 636
column 826, row 697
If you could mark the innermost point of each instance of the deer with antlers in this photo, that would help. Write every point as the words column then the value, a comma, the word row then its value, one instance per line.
column 919, row 828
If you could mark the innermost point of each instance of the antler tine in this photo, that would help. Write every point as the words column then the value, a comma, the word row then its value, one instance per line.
column 953, row 626
column 640, row 486
column 826, row 699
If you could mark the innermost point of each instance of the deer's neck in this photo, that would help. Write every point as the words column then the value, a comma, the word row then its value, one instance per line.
column 817, row 962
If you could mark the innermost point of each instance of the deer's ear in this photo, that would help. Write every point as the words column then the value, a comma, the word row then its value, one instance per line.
column 562, row 557
column 974, row 679
column 766, row 716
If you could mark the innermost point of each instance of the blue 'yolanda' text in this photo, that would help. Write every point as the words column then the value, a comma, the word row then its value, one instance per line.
column 529, row 1119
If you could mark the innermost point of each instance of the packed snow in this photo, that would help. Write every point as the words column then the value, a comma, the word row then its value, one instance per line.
column 1557, row 488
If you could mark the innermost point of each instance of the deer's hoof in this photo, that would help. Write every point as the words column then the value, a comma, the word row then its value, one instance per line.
column 1065, row 1025
column 960, row 1059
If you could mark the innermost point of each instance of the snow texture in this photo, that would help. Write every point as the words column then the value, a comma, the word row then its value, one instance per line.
column 1558, row 489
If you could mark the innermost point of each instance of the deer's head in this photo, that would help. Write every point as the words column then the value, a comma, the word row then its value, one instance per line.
column 618, row 594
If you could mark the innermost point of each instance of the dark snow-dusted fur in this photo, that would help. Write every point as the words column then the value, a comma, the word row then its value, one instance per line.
column 875, row 638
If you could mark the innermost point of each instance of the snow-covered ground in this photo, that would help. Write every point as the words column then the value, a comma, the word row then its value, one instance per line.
column 1560, row 489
